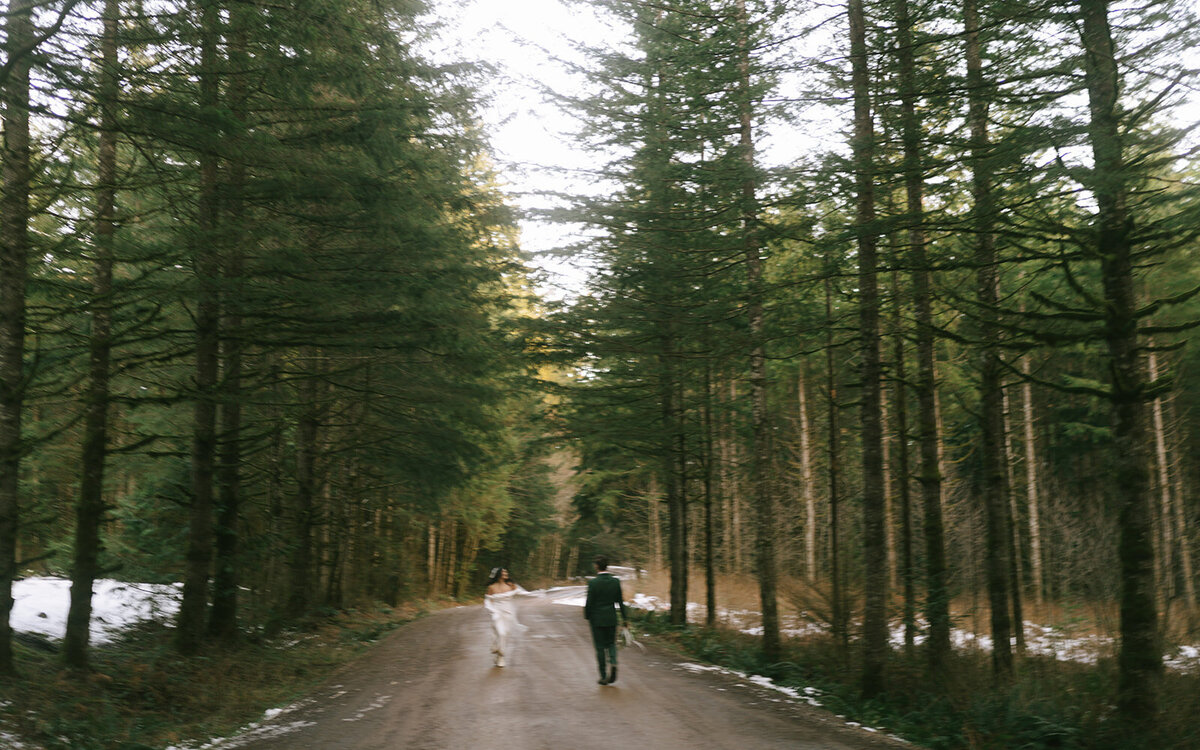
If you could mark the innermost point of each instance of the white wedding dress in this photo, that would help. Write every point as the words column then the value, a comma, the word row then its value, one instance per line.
column 503, row 609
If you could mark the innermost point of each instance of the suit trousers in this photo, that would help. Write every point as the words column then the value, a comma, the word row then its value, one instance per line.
column 604, row 638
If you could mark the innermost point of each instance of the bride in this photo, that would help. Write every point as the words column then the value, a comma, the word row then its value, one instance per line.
column 501, row 603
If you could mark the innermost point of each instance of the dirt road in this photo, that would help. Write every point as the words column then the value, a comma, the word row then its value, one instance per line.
column 431, row 686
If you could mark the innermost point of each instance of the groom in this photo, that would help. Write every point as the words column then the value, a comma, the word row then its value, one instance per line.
column 603, row 594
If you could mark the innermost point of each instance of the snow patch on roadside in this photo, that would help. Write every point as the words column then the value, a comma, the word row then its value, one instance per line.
column 804, row 695
column 12, row 742
column 808, row 694
column 379, row 702
column 40, row 605
column 259, row 730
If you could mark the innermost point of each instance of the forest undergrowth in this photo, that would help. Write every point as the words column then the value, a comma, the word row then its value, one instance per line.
column 1050, row 703
column 142, row 695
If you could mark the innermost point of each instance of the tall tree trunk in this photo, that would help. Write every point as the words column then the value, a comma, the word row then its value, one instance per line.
column 669, row 383
column 431, row 546
column 14, row 256
column 875, row 624
column 765, row 513
column 840, row 627
column 885, row 459
column 223, row 619
column 1140, row 658
column 1015, row 556
column 552, row 569
column 725, row 478
column 300, row 567
column 1032, row 500
column 451, row 547
column 734, row 491
column 573, row 559
column 806, row 478
column 1181, row 526
column 682, row 476
column 937, row 603
column 994, row 478
column 277, row 516
column 89, row 509
column 1173, row 536
column 206, row 266
column 653, row 501
column 224, row 615
column 677, row 552
column 710, row 571
column 903, row 472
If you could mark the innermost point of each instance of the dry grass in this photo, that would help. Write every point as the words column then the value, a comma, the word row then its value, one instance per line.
column 736, row 594
column 802, row 602
column 1182, row 624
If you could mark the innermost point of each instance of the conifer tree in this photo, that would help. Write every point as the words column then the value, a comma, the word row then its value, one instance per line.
column 223, row 617
column 193, row 613
column 874, row 543
column 1140, row 657
column 15, row 249
column 683, row 257
column 765, row 504
column 995, row 476
column 90, row 507
column 914, row 168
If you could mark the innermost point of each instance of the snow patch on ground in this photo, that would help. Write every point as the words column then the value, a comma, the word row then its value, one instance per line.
column 265, row 728
column 40, row 606
column 808, row 695
column 11, row 742
column 797, row 695
column 379, row 702
column 1184, row 659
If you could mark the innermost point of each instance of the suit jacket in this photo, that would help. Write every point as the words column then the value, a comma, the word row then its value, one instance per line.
column 603, row 595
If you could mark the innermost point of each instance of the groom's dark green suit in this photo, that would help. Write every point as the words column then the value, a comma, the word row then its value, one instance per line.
column 603, row 597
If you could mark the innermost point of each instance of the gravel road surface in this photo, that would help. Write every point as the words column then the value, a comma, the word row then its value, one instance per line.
column 430, row 685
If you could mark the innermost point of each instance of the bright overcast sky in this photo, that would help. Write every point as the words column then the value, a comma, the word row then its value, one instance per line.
column 531, row 136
